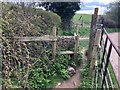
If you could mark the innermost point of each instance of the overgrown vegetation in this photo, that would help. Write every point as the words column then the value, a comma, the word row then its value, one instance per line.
column 29, row 64
column 20, row 57
column 43, row 73
column 86, row 81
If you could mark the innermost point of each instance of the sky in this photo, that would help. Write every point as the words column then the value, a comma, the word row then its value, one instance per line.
column 103, row 1
column 89, row 5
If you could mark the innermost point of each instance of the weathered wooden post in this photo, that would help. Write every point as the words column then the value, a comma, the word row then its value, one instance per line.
column 95, row 51
column 76, row 43
column 54, row 44
column 92, row 33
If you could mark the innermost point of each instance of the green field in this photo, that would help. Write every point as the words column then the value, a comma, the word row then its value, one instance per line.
column 85, row 30
column 86, row 18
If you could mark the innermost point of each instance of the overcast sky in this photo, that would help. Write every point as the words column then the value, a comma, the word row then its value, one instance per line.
column 103, row 1
column 89, row 5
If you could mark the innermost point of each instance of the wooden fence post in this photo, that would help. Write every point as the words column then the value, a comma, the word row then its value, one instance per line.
column 92, row 33
column 76, row 43
column 95, row 51
column 54, row 44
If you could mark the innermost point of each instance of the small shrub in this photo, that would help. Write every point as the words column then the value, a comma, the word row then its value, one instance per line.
column 86, row 83
column 72, row 64
column 64, row 74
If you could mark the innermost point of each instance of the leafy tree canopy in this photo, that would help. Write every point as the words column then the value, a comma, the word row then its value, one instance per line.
column 112, row 15
column 64, row 9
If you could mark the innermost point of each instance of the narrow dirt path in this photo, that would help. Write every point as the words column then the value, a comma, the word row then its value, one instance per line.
column 75, row 80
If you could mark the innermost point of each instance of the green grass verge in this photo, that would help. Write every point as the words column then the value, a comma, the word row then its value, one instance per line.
column 86, row 81
column 112, row 30
column 83, row 31
column 111, row 74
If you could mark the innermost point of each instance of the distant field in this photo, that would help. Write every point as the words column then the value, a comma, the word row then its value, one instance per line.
column 86, row 18
column 85, row 30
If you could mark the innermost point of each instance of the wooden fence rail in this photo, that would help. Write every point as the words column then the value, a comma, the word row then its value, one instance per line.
column 53, row 38
column 48, row 38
